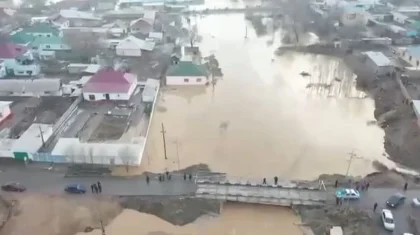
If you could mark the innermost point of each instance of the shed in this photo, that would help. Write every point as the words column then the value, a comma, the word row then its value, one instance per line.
column 30, row 87
column 132, row 46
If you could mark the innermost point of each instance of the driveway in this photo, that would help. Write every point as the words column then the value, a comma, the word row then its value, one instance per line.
column 36, row 180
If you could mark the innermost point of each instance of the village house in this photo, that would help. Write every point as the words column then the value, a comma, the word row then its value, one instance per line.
column 110, row 84
column 399, row 18
column 379, row 63
column 42, row 30
column 45, row 47
column 187, row 73
column 142, row 25
column 18, row 60
column 74, row 18
column 132, row 46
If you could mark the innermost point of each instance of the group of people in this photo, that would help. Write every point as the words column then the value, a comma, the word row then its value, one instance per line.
column 167, row 176
column 96, row 188
column 276, row 180
column 363, row 186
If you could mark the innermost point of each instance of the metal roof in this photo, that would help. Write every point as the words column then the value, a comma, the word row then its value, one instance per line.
column 378, row 58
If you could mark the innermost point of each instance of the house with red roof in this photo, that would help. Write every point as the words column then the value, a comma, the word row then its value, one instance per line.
column 110, row 84
column 18, row 60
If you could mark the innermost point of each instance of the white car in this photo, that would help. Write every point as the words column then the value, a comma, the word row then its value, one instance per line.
column 388, row 220
column 416, row 202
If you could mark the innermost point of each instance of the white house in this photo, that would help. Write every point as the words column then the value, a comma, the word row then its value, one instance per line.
column 380, row 64
column 5, row 111
column 411, row 55
column 18, row 60
column 3, row 72
column 132, row 46
column 399, row 18
column 187, row 73
column 109, row 84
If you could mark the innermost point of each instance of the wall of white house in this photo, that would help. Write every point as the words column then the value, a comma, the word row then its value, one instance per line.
column 128, row 52
column 379, row 70
column 112, row 96
column 2, row 70
column 52, row 47
column 185, row 80
column 353, row 19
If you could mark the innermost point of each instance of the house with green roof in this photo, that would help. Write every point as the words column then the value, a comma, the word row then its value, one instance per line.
column 187, row 73
column 45, row 47
column 42, row 30
column 21, row 38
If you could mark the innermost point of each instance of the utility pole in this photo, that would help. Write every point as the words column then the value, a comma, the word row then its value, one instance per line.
column 42, row 135
column 164, row 140
column 352, row 155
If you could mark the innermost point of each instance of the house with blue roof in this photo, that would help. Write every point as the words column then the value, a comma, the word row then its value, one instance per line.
column 45, row 47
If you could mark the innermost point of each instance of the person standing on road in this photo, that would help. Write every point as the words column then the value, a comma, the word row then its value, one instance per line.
column 99, row 187
column 336, row 184
column 91, row 187
column 337, row 201
column 276, row 179
column 190, row 177
column 405, row 186
column 264, row 181
column 147, row 179
column 367, row 186
column 185, row 176
column 375, row 206
column 95, row 188
column 169, row 176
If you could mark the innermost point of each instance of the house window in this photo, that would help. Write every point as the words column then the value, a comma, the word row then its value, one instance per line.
column 198, row 80
column 29, row 72
column 48, row 35
column 47, row 92
column 186, row 80
column 91, row 97
column 47, row 46
column 35, row 48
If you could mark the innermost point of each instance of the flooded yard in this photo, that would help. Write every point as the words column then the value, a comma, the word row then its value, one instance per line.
column 264, row 118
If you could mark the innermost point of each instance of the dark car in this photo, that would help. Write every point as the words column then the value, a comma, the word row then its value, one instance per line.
column 13, row 187
column 395, row 200
column 75, row 189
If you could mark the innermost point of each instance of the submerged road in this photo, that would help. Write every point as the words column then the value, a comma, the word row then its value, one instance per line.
column 36, row 180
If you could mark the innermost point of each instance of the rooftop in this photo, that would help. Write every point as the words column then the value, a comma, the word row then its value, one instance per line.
column 142, row 44
column 47, row 40
column 21, row 38
column 11, row 50
column 187, row 68
column 378, row 58
column 41, row 28
column 74, row 14
column 108, row 80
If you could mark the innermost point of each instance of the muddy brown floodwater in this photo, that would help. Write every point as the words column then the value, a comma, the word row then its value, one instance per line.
column 264, row 119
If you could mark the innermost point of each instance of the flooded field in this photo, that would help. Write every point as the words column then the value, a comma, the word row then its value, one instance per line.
column 264, row 118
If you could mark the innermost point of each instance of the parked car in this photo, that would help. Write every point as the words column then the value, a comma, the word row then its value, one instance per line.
column 395, row 200
column 75, row 189
column 416, row 202
column 347, row 193
column 388, row 220
column 13, row 187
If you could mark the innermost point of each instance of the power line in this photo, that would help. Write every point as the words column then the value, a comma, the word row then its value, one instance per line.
column 164, row 140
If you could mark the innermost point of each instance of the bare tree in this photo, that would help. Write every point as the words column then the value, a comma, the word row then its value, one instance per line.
column 127, row 157
column 84, row 43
